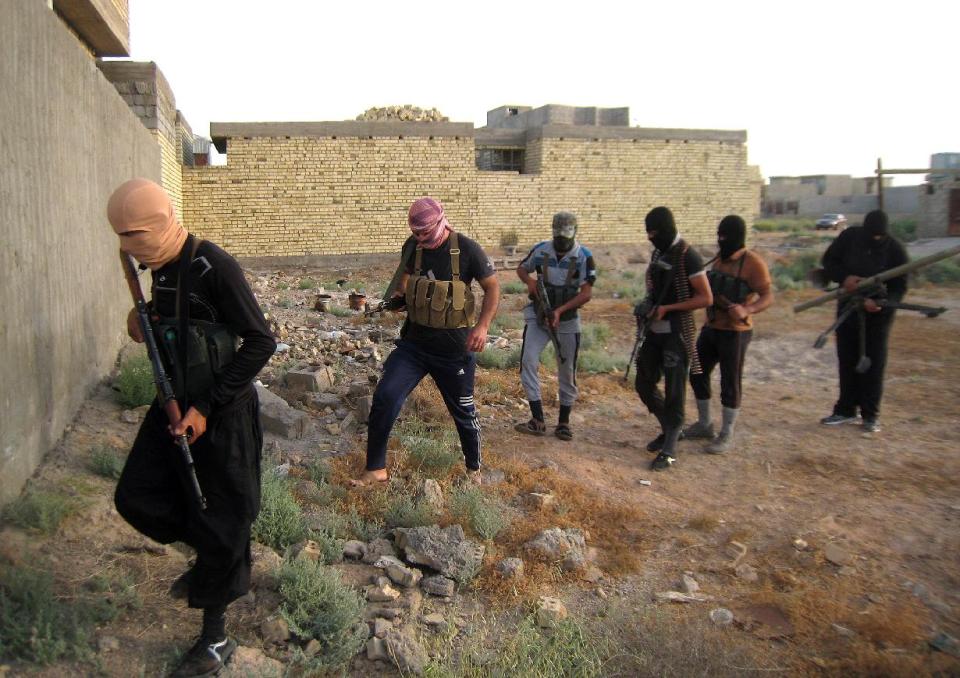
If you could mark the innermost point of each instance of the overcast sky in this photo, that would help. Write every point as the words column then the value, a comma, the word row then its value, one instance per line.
column 820, row 87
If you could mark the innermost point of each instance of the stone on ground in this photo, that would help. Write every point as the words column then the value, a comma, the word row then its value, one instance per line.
column 555, row 543
column 445, row 550
column 550, row 612
column 438, row 585
column 279, row 418
column 247, row 661
column 510, row 568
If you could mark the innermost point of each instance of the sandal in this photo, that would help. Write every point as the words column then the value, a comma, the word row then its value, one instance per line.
column 533, row 427
column 563, row 432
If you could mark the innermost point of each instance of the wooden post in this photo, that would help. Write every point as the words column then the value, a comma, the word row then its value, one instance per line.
column 879, row 184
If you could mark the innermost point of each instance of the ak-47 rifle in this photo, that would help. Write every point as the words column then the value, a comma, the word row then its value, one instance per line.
column 545, row 312
column 872, row 288
column 164, row 388
column 391, row 303
column 644, row 313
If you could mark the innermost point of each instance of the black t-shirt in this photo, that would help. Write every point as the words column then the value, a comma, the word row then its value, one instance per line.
column 220, row 294
column 854, row 252
column 692, row 264
column 474, row 265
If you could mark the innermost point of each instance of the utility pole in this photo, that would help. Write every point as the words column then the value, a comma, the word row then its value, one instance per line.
column 879, row 184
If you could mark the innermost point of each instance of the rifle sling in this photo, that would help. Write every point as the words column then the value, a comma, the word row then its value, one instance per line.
column 182, row 314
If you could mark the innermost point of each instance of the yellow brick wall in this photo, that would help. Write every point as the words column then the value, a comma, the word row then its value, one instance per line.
column 304, row 195
column 170, row 170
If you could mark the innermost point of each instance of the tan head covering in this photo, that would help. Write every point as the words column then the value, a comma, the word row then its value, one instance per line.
column 142, row 210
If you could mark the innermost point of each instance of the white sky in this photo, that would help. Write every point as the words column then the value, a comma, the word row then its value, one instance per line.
column 821, row 87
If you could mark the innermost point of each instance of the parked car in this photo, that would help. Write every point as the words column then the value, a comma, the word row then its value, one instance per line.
column 836, row 222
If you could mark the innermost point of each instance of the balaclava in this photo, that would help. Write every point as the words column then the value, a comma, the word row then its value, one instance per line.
column 661, row 229
column 564, row 231
column 142, row 215
column 875, row 224
column 731, row 235
column 428, row 222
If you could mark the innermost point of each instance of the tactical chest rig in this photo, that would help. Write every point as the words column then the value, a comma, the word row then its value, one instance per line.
column 727, row 289
column 560, row 294
column 441, row 304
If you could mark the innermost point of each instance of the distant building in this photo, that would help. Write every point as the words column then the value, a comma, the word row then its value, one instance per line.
column 939, row 213
column 816, row 194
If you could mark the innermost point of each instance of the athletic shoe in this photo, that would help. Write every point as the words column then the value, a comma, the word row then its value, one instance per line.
column 837, row 419
column 720, row 445
column 698, row 430
column 534, row 427
column 205, row 658
column 662, row 462
column 871, row 425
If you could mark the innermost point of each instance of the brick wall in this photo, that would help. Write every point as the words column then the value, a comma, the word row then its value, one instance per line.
column 306, row 195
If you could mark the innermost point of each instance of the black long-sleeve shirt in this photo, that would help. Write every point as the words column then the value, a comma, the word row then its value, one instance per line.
column 220, row 294
column 853, row 252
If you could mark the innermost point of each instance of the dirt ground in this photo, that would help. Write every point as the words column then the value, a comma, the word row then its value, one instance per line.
column 887, row 505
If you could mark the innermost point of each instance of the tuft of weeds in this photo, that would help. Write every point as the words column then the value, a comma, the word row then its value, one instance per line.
column 513, row 287
column 791, row 272
column 320, row 472
column 331, row 546
column 486, row 514
column 283, row 285
column 499, row 359
column 331, row 520
column 134, row 383
column 404, row 511
column 106, row 461
column 307, row 283
column 37, row 627
column 430, row 454
column 281, row 521
column 317, row 604
column 340, row 311
column 116, row 592
column 599, row 361
column 364, row 529
column 940, row 273
column 40, row 511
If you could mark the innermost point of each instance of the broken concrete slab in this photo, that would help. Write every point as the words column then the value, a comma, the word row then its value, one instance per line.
column 277, row 417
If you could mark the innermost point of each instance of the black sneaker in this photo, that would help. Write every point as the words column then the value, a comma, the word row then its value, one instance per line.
column 656, row 444
column 662, row 462
column 837, row 419
column 205, row 658
column 871, row 425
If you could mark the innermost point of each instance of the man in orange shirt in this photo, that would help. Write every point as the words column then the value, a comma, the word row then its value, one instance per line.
column 740, row 282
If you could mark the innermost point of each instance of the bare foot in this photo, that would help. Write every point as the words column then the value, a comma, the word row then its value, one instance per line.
column 370, row 478
column 474, row 476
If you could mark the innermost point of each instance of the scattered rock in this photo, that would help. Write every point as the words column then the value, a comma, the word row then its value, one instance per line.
column 381, row 626
column 493, row 476
column 247, row 661
column 721, row 616
column 266, row 561
column 279, row 418
column 364, row 405
column 130, row 417
column 445, row 550
column 275, row 630
column 383, row 562
column 408, row 577
column 406, row 652
column 377, row 649
column 646, row 483
column 746, row 572
column 549, row 464
column 837, row 554
column 943, row 642
column 435, row 621
column 312, row 647
column 555, row 543
column 438, row 585
column 550, row 611
column 574, row 561
column 843, row 631
column 765, row 621
column 315, row 379
column 592, row 574
column 510, row 568
column 376, row 549
column 678, row 597
column 800, row 544
column 306, row 550
column 541, row 500
column 432, row 494
column 108, row 644
column 383, row 593
column 353, row 549
column 14, row 546
column 688, row 584
column 737, row 551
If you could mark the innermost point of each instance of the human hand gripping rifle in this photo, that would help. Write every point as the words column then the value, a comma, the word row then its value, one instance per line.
column 545, row 312
column 390, row 302
column 870, row 288
column 644, row 312
column 164, row 388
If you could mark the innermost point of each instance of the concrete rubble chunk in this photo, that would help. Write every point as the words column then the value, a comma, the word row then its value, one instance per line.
column 376, row 549
column 746, row 572
column 555, row 543
column 438, row 585
column 408, row 577
column 247, row 661
column 445, row 550
column 383, row 593
column 432, row 494
column 550, row 612
column 354, row 550
column 721, row 616
column 678, row 597
column 837, row 555
column 510, row 568
column 688, row 584
column 279, row 418
column 274, row 630
column 406, row 652
column 364, row 405
column 381, row 626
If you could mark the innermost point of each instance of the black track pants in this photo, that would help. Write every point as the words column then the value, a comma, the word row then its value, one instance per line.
column 153, row 496
column 728, row 348
column 663, row 356
column 862, row 390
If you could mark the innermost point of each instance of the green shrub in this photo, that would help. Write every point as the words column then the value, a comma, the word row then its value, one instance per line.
column 340, row 311
column 486, row 515
column 115, row 593
column 792, row 272
column 499, row 359
column 600, row 361
column 332, row 521
column 430, row 454
column 37, row 627
column 281, row 521
column 330, row 545
column 283, row 285
column 135, row 385
column 904, row 230
column 320, row 471
column 307, row 283
column 513, row 287
column 317, row 604
column 328, row 493
column 362, row 528
column 40, row 511
column 404, row 511
column 106, row 461
column 945, row 271
column 595, row 335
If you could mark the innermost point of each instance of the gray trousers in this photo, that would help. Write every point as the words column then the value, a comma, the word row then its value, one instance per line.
column 535, row 339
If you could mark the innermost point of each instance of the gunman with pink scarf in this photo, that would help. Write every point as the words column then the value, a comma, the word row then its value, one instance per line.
column 440, row 335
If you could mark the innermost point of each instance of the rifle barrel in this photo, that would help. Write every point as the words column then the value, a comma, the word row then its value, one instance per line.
column 867, row 283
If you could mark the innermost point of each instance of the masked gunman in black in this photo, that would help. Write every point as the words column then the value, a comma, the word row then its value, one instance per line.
column 859, row 253
column 668, row 351
column 740, row 283
column 198, row 290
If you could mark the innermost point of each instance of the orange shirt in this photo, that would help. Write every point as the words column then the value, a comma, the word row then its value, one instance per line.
column 757, row 276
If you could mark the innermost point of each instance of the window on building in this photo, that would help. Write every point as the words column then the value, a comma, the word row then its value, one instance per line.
column 500, row 159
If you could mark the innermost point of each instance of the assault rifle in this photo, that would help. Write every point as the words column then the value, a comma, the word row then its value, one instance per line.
column 644, row 313
column 164, row 388
column 870, row 288
column 545, row 312
column 391, row 303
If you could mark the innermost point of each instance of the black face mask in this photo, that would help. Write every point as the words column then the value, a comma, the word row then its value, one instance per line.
column 875, row 226
column 561, row 244
column 661, row 228
column 731, row 235
column 662, row 238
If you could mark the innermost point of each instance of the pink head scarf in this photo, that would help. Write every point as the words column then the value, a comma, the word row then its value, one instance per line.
column 142, row 215
column 428, row 223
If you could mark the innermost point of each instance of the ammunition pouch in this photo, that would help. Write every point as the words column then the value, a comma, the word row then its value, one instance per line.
column 561, row 294
column 441, row 304
column 727, row 289
column 210, row 348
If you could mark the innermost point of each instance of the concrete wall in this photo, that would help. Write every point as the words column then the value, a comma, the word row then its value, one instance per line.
column 67, row 141
column 934, row 221
column 295, row 189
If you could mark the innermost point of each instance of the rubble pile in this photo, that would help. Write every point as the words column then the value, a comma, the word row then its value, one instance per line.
column 405, row 113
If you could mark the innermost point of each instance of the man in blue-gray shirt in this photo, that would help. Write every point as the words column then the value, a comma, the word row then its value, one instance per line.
column 569, row 273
